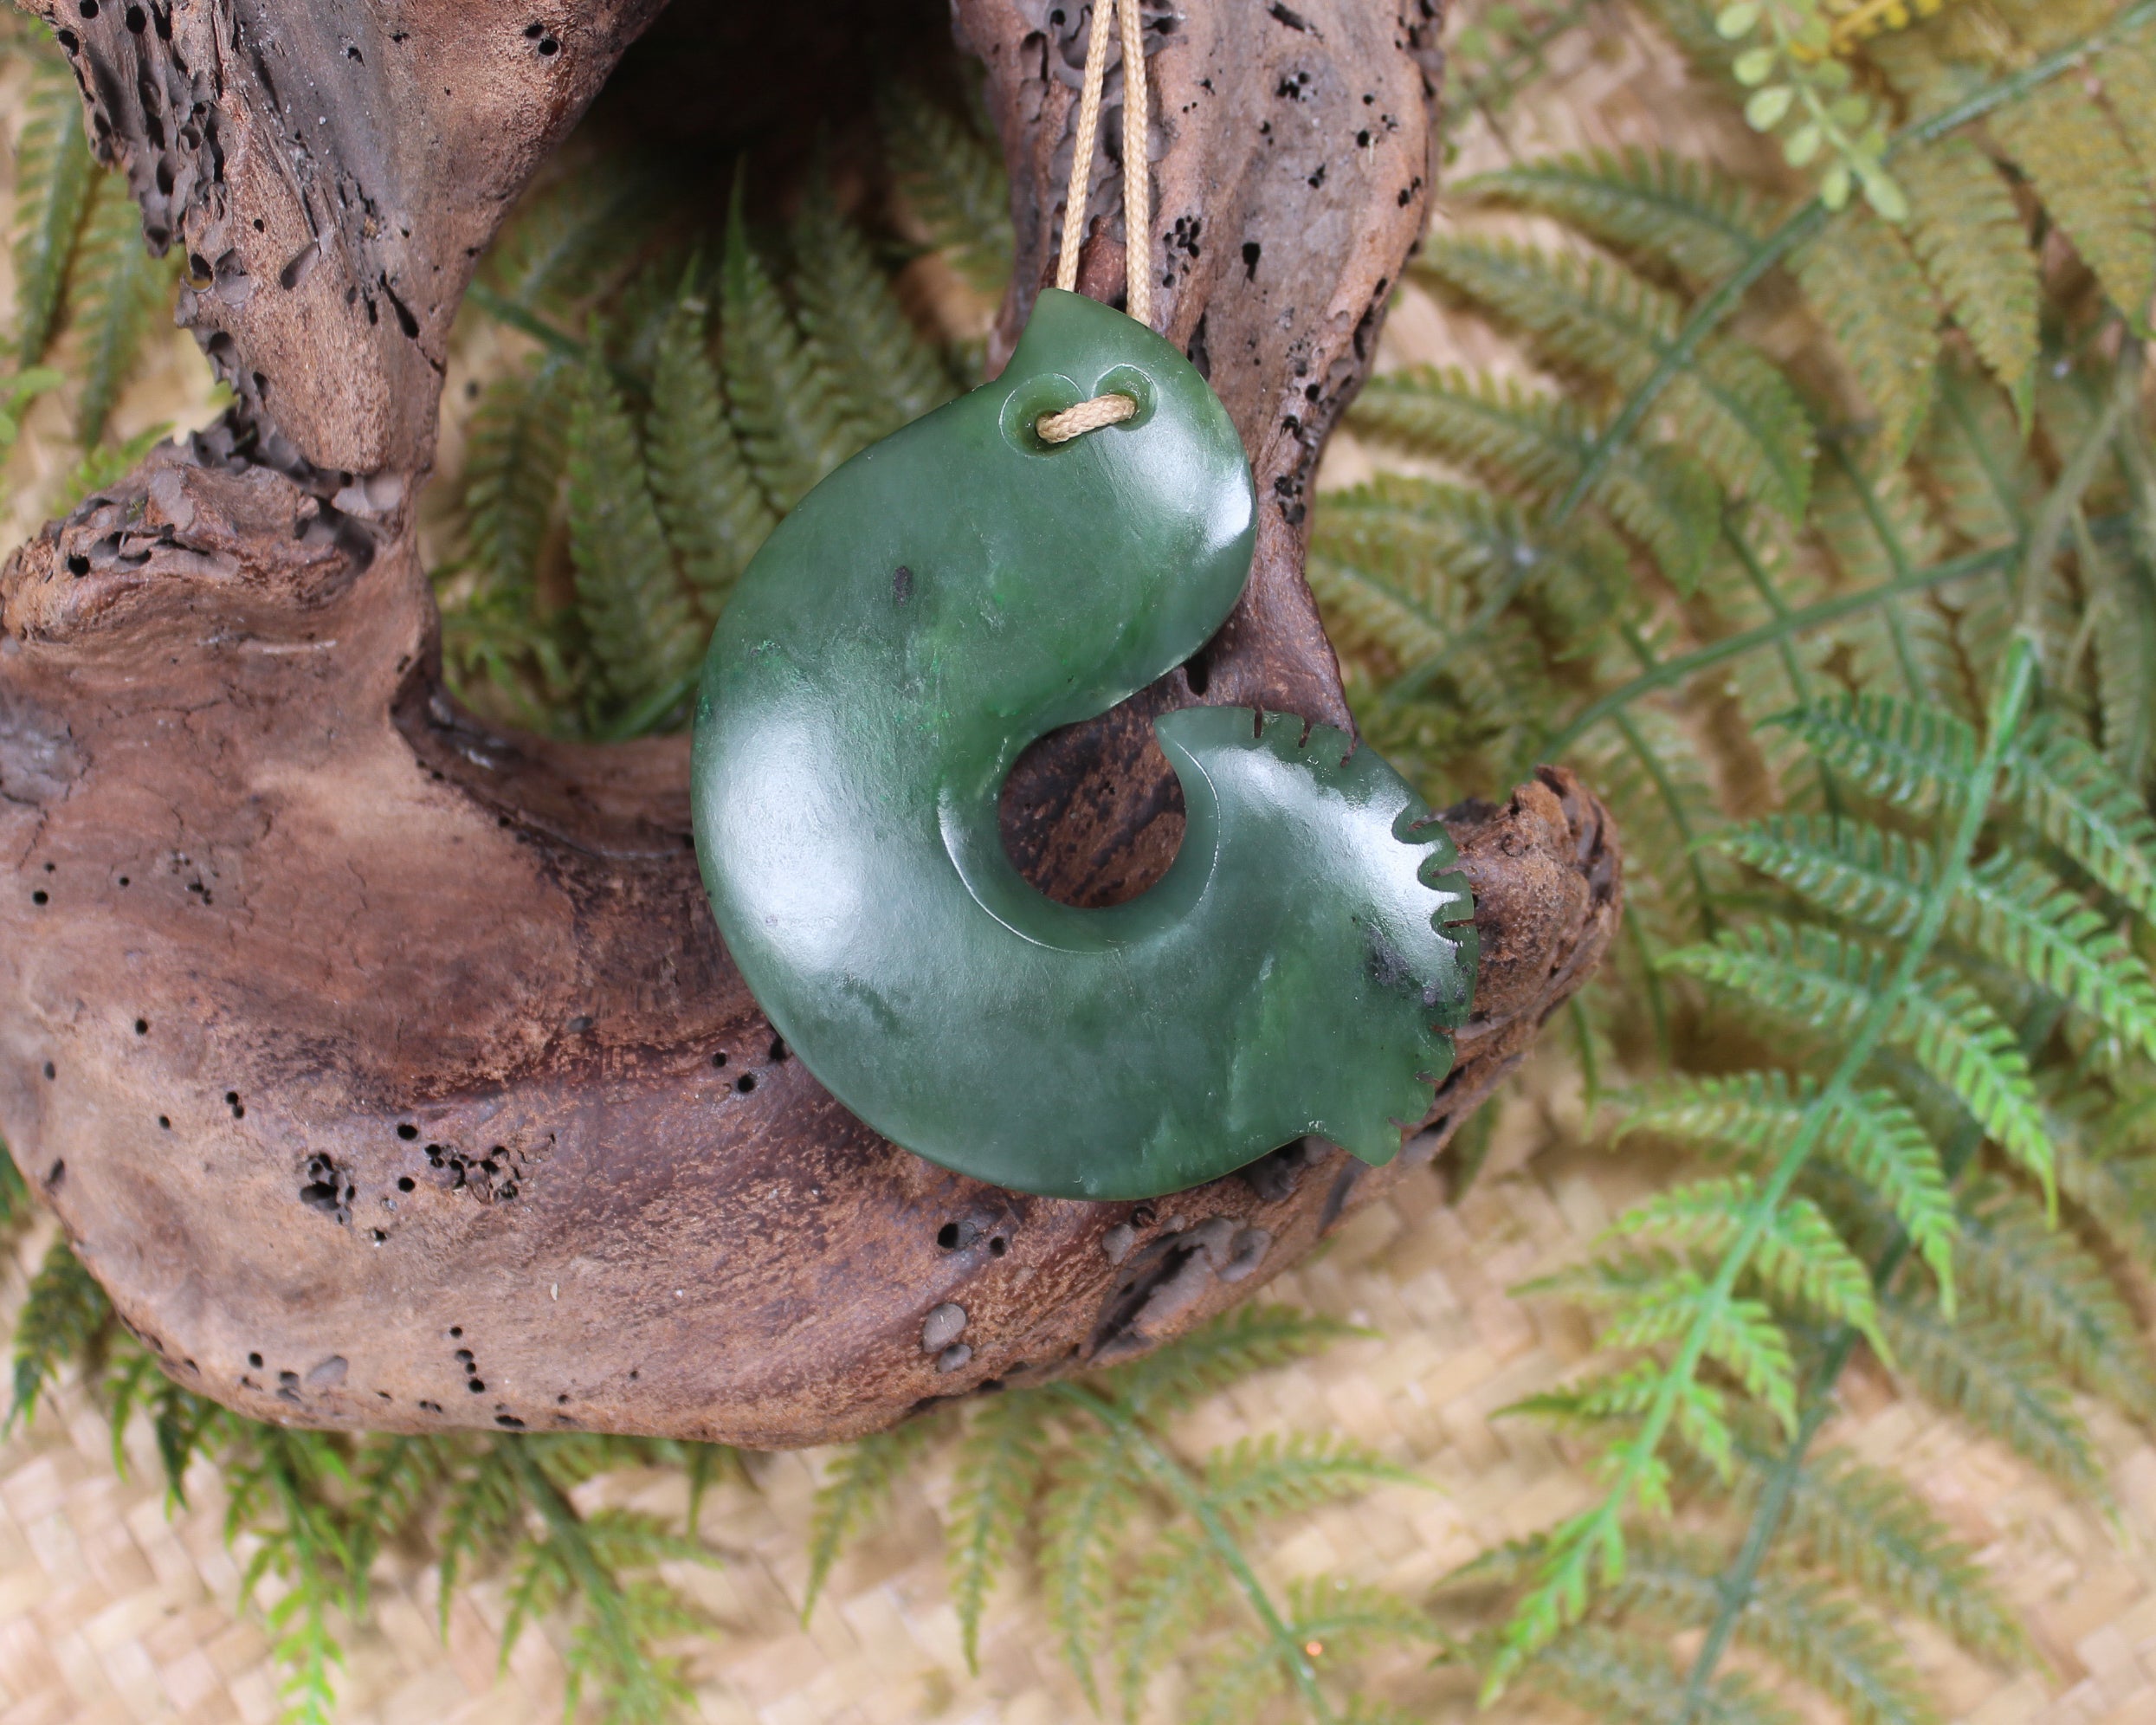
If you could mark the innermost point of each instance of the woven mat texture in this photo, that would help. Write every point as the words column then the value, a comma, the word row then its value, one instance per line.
column 113, row 1611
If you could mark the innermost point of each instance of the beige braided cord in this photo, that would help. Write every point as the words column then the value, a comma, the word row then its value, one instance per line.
column 1108, row 409
column 1087, row 415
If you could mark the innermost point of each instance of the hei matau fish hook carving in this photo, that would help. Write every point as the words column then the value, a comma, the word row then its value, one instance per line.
column 934, row 605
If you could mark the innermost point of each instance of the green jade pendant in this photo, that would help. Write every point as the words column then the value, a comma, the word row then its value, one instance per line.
column 930, row 609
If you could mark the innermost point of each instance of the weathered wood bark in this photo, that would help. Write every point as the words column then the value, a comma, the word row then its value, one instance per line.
column 388, row 1071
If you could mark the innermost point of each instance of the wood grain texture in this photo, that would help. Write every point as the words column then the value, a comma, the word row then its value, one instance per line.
column 388, row 1069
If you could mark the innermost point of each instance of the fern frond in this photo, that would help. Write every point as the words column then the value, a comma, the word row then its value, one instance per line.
column 1976, row 453
column 714, row 515
column 1080, row 1529
column 1755, row 1116
column 1829, row 981
column 133, row 1383
column 574, row 235
column 399, row 1480
column 513, row 468
column 118, row 287
column 1996, row 1380
column 1813, row 1633
column 1624, row 1396
column 1866, row 1528
column 1621, row 1680
column 278, row 1485
column 1974, row 246
column 1869, row 293
column 1401, row 563
column 14, row 1195
column 782, row 405
column 2011, row 909
column 2083, row 170
column 2127, row 67
column 54, row 171
column 886, row 375
column 1800, row 1258
column 1263, row 1476
column 644, row 638
column 994, row 1481
column 2070, row 795
column 1654, row 1298
column 2121, row 621
column 952, row 180
column 1908, row 752
column 1682, row 214
column 60, row 1321
column 1235, row 1345
column 1170, row 1593
column 1538, row 445
column 856, row 1487
column 483, row 1511
column 2026, row 1270
column 1731, row 407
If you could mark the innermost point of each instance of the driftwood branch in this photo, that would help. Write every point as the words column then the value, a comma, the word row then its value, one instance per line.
column 387, row 1069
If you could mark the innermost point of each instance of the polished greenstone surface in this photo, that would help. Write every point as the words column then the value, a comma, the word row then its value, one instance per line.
column 930, row 609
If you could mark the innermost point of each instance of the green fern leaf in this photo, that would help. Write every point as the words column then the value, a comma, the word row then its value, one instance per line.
column 782, row 405
column 1976, row 453
column 1731, row 409
column 1994, row 1378
column 1264, row 1476
column 644, row 637
column 1617, row 1680
column 1867, row 1529
column 1081, row 1527
column 16, row 1207
column 1974, row 246
column 1173, row 1589
column 118, row 287
column 1816, row 1634
column 62, row 1320
column 1654, row 1298
column 887, row 374
column 2114, row 1185
column 53, row 175
column 1235, row 1345
column 2073, row 797
column 2011, row 909
column 2083, row 170
column 1402, row 562
column 1872, row 296
column 1800, row 1258
column 2121, row 621
column 1236, row 1684
column 2027, row 1271
column 482, row 1513
column 856, row 1488
column 2127, row 67
column 994, row 1482
column 1625, row 1395
column 1829, row 981
column 513, row 468
column 1912, row 755
column 1755, row 1116
column 952, row 180
column 714, row 514
column 1656, row 206
column 575, row 235
column 1538, row 445
column 180, row 1423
